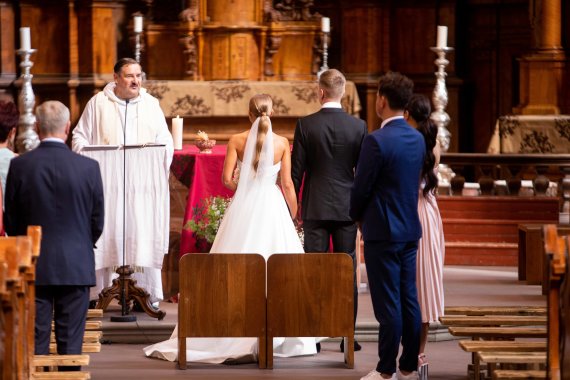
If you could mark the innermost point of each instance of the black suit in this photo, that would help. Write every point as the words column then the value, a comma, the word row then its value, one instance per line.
column 62, row 192
column 325, row 152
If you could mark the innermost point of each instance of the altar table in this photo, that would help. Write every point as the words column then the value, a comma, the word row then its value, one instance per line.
column 202, row 173
column 231, row 98
column 531, row 134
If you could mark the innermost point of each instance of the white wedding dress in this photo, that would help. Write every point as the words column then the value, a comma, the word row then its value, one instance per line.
column 256, row 221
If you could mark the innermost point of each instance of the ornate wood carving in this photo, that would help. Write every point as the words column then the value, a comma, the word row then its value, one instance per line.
column 191, row 13
column 273, row 43
column 294, row 10
column 191, row 54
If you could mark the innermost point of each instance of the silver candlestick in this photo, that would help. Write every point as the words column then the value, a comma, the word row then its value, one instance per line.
column 27, row 137
column 439, row 116
column 138, row 46
column 325, row 65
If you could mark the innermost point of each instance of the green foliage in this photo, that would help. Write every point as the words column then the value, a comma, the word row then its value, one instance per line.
column 207, row 216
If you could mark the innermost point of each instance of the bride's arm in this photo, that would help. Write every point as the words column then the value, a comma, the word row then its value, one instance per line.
column 286, row 181
column 229, row 165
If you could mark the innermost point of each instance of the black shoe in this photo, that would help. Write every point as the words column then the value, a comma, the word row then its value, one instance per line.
column 92, row 304
column 357, row 346
column 318, row 347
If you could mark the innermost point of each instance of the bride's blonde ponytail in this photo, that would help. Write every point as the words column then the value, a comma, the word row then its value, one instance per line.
column 260, row 105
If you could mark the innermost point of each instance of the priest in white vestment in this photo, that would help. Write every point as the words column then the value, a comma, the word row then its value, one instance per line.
column 125, row 112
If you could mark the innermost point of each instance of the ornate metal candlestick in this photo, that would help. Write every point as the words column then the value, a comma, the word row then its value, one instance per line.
column 27, row 137
column 325, row 65
column 138, row 46
column 439, row 116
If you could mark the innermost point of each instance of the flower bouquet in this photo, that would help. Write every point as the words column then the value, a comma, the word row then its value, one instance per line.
column 204, row 143
column 206, row 219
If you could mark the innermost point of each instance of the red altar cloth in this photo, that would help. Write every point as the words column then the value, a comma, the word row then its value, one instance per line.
column 202, row 173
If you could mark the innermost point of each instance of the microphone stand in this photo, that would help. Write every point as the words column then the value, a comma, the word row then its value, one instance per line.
column 124, row 271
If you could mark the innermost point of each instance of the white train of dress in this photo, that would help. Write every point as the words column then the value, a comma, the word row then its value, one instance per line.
column 256, row 221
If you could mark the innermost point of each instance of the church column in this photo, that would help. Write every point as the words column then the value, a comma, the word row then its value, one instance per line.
column 542, row 72
column 550, row 25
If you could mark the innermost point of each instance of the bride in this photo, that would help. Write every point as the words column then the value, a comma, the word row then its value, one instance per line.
column 258, row 220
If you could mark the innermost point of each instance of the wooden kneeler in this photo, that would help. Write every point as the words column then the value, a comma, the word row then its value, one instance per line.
column 221, row 295
column 310, row 295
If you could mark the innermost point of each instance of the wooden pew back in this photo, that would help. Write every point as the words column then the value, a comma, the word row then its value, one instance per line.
column 221, row 295
column 310, row 295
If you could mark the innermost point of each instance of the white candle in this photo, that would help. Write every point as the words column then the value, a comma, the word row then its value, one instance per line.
column 138, row 24
column 441, row 36
column 25, row 43
column 177, row 131
column 326, row 24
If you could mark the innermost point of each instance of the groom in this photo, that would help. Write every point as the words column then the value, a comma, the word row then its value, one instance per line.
column 325, row 151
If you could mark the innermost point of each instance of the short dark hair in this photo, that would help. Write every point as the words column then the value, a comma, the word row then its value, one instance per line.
column 9, row 117
column 396, row 88
column 124, row 62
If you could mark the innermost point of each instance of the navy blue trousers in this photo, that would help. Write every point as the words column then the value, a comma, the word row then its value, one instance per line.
column 391, row 269
column 68, row 305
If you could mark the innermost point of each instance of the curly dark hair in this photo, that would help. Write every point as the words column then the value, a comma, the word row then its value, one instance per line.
column 9, row 117
column 396, row 88
column 419, row 109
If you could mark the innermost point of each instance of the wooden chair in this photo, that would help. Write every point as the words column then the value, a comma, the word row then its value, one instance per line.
column 310, row 295
column 222, row 295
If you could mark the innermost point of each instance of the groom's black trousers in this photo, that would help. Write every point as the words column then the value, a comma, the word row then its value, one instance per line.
column 318, row 235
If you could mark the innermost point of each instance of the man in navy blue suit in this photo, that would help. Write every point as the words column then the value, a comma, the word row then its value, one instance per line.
column 384, row 202
column 62, row 192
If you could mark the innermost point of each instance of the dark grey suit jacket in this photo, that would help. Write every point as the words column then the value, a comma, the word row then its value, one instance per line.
column 325, row 151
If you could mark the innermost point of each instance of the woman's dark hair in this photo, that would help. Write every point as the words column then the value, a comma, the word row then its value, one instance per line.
column 9, row 117
column 419, row 109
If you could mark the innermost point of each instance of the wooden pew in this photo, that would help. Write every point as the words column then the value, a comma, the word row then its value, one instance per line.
column 495, row 310
column 222, row 295
column 556, row 248
column 310, row 295
column 497, row 320
column 518, row 358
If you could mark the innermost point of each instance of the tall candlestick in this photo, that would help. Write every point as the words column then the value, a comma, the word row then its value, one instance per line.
column 138, row 24
column 25, row 43
column 177, row 132
column 441, row 36
column 325, row 24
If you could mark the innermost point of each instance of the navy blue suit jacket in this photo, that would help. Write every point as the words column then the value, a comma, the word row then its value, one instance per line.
column 384, row 196
column 62, row 192
column 325, row 150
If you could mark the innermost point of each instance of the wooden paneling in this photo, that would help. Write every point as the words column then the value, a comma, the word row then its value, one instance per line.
column 365, row 40
column 418, row 25
column 7, row 48
column 294, row 59
column 163, row 54
column 49, row 31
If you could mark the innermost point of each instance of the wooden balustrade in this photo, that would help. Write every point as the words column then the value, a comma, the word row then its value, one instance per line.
column 485, row 169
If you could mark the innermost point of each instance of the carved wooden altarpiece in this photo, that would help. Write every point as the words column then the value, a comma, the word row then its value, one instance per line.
column 250, row 40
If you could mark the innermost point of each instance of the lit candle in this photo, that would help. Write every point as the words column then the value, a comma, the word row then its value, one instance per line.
column 25, row 43
column 138, row 24
column 326, row 24
column 441, row 36
column 177, row 131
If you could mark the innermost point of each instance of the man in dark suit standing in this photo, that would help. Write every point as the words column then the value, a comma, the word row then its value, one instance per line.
column 325, row 151
column 62, row 192
column 384, row 201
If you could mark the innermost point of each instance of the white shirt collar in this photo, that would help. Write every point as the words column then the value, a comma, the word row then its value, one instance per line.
column 331, row 105
column 54, row 139
column 389, row 120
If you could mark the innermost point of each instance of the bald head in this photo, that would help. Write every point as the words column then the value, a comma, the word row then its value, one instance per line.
column 52, row 119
